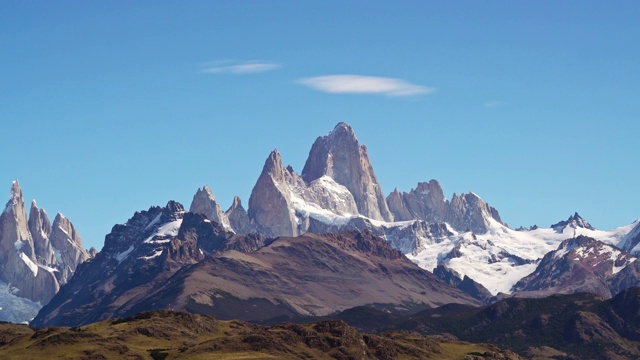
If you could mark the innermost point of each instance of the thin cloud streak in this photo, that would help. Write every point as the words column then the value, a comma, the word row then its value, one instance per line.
column 239, row 68
column 358, row 84
column 494, row 104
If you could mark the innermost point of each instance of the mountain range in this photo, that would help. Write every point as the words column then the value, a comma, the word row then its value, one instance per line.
column 315, row 244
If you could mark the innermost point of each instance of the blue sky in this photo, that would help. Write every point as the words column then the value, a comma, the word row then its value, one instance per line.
column 108, row 108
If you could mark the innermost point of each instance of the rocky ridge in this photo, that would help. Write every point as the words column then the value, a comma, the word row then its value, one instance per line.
column 167, row 258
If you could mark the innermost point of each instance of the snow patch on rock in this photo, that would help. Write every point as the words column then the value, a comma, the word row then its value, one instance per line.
column 123, row 255
column 32, row 266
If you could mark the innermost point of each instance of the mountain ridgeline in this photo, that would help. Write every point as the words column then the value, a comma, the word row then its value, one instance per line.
column 308, row 245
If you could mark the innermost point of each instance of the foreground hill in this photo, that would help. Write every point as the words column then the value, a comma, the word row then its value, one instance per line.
column 180, row 335
column 574, row 326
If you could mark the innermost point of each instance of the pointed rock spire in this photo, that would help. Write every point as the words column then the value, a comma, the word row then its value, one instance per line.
column 574, row 221
column 238, row 217
column 270, row 204
column 67, row 245
column 339, row 156
column 204, row 202
column 470, row 212
column 15, row 232
column 426, row 202
column 19, row 266
column 40, row 228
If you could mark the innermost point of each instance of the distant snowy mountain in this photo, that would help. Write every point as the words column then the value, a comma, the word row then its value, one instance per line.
column 580, row 264
column 500, row 257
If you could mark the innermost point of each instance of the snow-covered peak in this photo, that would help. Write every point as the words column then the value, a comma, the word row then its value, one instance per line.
column 575, row 221
column 631, row 241
column 590, row 251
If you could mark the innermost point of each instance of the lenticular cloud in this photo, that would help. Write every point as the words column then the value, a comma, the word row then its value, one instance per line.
column 358, row 84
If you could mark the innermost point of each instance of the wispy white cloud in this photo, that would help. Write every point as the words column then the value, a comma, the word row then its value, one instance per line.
column 239, row 68
column 494, row 104
column 358, row 84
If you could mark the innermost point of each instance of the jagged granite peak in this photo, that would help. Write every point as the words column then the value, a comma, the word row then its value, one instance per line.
column 425, row 202
column 204, row 202
column 238, row 217
column 67, row 246
column 339, row 156
column 466, row 212
column 18, row 263
column 580, row 264
column 282, row 204
column 40, row 228
column 574, row 221
column 16, row 215
column 471, row 212
column 271, row 209
column 142, row 225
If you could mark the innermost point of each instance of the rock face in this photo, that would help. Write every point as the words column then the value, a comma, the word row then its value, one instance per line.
column 466, row 212
column 18, row 263
column 40, row 228
column 67, row 246
column 426, row 202
column 205, row 203
column 30, row 265
column 340, row 156
column 581, row 264
column 282, row 204
column 238, row 217
column 270, row 205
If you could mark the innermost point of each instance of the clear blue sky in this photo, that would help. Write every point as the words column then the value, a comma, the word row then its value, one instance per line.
column 111, row 107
